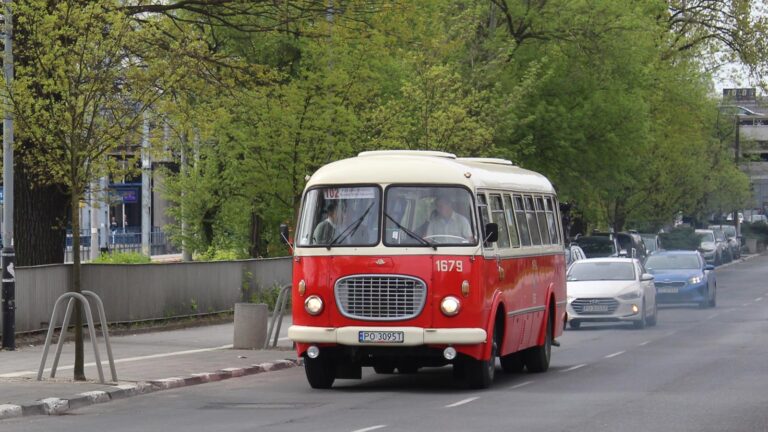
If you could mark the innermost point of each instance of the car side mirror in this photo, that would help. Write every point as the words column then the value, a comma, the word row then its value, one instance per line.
column 709, row 267
column 491, row 232
column 646, row 277
column 284, row 234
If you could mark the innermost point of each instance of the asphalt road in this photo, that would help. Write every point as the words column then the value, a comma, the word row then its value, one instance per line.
column 698, row 370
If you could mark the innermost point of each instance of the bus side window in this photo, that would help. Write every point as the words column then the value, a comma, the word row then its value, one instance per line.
column 510, row 211
column 497, row 212
column 551, row 220
column 522, row 221
column 482, row 208
column 541, row 216
column 533, row 224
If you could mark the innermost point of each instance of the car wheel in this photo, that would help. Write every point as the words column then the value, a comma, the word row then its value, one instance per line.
column 320, row 371
column 640, row 324
column 480, row 373
column 653, row 318
column 537, row 358
column 512, row 363
column 574, row 324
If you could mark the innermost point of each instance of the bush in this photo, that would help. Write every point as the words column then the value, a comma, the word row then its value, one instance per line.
column 680, row 238
column 122, row 258
column 756, row 230
column 268, row 296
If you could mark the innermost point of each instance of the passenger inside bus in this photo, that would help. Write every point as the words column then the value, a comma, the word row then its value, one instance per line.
column 446, row 225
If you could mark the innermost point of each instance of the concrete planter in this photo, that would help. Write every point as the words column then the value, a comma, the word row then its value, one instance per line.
column 250, row 325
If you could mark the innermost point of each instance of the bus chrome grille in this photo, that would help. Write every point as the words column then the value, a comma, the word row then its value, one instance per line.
column 597, row 306
column 380, row 297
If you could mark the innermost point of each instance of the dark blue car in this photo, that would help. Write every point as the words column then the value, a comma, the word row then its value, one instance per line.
column 683, row 277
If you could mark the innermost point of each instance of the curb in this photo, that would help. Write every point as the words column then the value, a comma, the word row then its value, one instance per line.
column 58, row 406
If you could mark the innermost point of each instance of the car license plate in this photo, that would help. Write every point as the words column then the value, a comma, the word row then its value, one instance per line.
column 383, row 337
column 595, row 308
column 668, row 290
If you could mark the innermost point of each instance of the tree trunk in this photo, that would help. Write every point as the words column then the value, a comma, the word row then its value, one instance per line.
column 39, row 217
column 79, row 358
column 255, row 249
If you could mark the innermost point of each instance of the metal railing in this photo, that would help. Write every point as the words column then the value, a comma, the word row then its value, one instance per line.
column 121, row 240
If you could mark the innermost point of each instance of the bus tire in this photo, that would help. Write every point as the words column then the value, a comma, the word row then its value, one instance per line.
column 480, row 373
column 537, row 358
column 512, row 363
column 321, row 372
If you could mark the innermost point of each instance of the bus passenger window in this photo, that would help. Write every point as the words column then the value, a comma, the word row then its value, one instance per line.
column 533, row 224
column 482, row 208
column 551, row 221
column 497, row 212
column 541, row 216
column 522, row 221
column 510, row 211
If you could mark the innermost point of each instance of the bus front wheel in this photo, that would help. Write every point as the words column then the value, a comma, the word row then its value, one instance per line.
column 321, row 372
column 480, row 373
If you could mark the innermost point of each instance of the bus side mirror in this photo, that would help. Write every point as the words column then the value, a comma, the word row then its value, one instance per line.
column 491, row 232
column 284, row 234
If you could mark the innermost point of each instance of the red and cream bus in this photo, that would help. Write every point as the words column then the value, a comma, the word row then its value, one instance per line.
column 407, row 259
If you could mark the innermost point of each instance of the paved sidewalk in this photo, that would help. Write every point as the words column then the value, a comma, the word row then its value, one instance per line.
column 145, row 362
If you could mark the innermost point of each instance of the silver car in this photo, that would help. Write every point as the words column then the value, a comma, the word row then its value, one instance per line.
column 713, row 251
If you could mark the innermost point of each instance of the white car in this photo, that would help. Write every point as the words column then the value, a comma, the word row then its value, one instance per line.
column 611, row 290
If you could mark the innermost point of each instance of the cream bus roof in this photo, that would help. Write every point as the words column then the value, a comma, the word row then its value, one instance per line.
column 403, row 166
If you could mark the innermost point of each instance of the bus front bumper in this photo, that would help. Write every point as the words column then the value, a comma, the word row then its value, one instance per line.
column 412, row 336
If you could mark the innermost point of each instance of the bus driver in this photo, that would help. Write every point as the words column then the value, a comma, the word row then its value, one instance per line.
column 445, row 222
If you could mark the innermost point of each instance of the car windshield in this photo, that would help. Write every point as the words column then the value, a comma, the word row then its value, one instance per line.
column 596, row 247
column 650, row 242
column 597, row 271
column 673, row 262
column 340, row 216
column 730, row 231
column 428, row 216
column 706, row 237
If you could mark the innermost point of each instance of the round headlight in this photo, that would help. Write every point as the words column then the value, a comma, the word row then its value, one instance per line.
column 450, row 306
column 313, row 305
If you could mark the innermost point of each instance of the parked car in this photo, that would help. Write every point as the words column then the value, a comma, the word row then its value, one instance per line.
column 712, row 251
column 722, row 241
column 652, row 242
column 733, row 240
column 597, row 246
column 630, row 244
column 683, row 277
column 573, row 253
column 611, row 290
column 761, row 218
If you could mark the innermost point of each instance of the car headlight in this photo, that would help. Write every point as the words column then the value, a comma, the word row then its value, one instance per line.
column 695, row 279
column 631, row 295
column 313, row 305
column 450, row 306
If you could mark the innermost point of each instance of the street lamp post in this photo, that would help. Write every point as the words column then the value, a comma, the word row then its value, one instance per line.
column 8, row 253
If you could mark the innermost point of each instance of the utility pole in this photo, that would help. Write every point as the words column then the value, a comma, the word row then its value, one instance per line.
column 8, row 254
column 146, row 184
column 737, row 150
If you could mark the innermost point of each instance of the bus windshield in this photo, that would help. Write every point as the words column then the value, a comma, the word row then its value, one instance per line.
column 428, row 216
column 335, row 215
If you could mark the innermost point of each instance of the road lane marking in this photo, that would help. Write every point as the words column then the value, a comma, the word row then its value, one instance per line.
column 759, row 299
column 370, row 428
column 644, row 343
column 713, row 315
column 615, row 354
column 123, row 360
column 670, row 333
column 578, row 366
column 463, row 401
column 522, row 384
column 745, row 305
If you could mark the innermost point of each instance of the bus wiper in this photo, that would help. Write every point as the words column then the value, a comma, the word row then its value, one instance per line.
column 351, row 229
column 421, row 239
